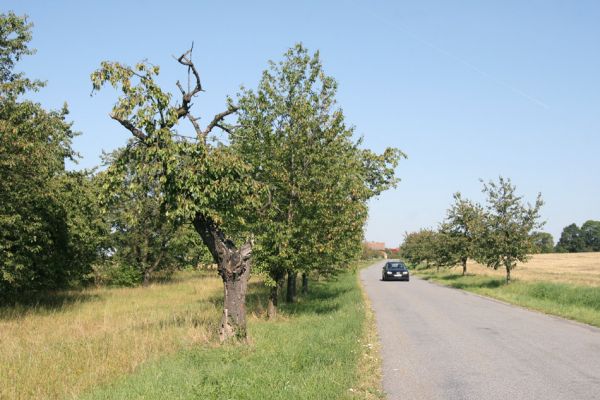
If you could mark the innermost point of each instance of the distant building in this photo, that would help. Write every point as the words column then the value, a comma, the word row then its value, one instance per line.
column 376, row 246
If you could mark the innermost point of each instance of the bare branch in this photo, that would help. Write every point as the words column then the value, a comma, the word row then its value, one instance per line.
column 129, row 126
column 186, row 59
column 218, row 118
column 197, row 128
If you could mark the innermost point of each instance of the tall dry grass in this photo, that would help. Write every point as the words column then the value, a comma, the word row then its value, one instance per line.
column 573, row 268
column 58, row 351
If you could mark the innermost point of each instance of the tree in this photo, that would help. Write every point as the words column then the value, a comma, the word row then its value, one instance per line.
column 317, row 179
column 505, row 236
column 421, row 247
column 571, row 240
column 462, row 221
column 542, row 242
column 203, row 183
column 50, row 232
column 590, row 231
column 142, row 237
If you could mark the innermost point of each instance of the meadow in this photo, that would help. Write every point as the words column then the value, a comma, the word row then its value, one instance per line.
column 160, row 342
column 566, row 285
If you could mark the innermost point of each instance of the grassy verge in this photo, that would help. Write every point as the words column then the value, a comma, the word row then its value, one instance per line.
column 311, row 352
column 369, row 368
column 576, row 302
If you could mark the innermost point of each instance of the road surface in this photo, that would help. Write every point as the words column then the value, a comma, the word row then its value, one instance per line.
column 443, row 343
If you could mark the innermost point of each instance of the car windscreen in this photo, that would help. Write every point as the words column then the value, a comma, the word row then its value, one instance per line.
column 396, row 267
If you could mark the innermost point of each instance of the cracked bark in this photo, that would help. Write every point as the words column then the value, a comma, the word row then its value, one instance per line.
column 234, row 268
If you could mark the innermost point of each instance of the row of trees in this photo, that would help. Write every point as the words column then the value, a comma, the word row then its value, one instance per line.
column 573, row 239
column 497, row 234
column 282, row 186
column 576, row 240
column 50, row 229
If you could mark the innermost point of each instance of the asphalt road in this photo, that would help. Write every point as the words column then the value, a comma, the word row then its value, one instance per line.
column 443, row 343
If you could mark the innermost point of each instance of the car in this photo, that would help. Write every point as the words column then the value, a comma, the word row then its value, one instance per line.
column 395, row 271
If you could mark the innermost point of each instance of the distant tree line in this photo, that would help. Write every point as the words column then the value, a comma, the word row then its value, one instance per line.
column 283, row 188
column 574, row 239
column 498, row 234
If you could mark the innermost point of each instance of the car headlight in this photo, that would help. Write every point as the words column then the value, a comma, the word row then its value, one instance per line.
column 389, row 272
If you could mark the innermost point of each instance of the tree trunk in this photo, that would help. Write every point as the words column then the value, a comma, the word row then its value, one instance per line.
column 150, row 270
column 508, row 268
column 304, row 283
column 273, row 300
column 233, row 321
column 234, row 268
column 291, row 287
column 464, row 265
column 146, row 279
column 278, row 277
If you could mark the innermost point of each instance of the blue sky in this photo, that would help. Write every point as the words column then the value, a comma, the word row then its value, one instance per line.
column 467, row 89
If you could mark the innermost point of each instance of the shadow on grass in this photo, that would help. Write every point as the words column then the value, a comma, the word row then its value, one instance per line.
column 43, row 302
column 321, row 299
column 472, row 281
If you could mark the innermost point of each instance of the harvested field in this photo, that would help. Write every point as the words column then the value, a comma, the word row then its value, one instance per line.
column 572, row 268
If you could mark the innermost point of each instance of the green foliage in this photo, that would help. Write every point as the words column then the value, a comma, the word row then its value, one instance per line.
column 316, row 178
column 571, row 240
column 50, row 232
column 110, row 273
column 420, row 247
column 505, row 236
column 591, row 235
column 15, row 35
column 142, row 237
column 575, row 240
column 194, row 176
column 542, row 242
column 459, row 229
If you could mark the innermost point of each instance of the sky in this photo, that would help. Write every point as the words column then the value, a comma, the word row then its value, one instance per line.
column 468, row 90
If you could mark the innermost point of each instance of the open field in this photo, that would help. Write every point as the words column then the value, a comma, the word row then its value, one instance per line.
column 160, row 342
column 77, row 340
column 567, row 285
column 573, row 268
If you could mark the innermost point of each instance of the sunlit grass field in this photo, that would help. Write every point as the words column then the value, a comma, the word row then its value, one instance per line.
column 573, row 268
column 567, row 285
column 160, row 342
column 76, row 340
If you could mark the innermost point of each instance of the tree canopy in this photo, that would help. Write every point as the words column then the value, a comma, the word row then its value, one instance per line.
column 508, row 223
column 50, row 231
column 316, row 177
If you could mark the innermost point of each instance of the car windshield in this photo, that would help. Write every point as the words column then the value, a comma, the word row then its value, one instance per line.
column 396, row 267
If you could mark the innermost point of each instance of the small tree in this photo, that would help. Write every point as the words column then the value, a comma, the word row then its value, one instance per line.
column 505, row 235
column 420, row 248
column 461, row 224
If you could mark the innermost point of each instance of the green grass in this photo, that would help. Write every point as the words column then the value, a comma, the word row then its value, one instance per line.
column 576, row 302
column 312, row 351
